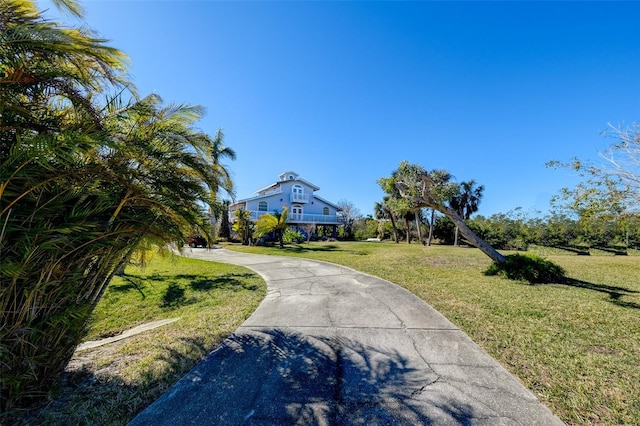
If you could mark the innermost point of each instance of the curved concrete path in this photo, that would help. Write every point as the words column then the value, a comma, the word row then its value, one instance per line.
column 333, row 346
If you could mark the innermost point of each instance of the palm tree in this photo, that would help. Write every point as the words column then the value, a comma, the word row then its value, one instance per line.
column 466, row 202
column 49, row 126
column 273, row 223
column 243, row 225
column 421, row 190
column 408, row 216
column 383, row 211
column 440, row 177
column 399, row 205
column 225, row 226
column 82, row 186
column 215, row 151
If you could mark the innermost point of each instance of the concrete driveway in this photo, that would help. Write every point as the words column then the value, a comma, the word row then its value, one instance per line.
column 333, row 346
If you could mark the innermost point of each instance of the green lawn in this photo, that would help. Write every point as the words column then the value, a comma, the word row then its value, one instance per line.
column 110, row 384
column 575, row 345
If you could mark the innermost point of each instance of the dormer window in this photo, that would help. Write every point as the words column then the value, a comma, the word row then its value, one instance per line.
column 290, row 177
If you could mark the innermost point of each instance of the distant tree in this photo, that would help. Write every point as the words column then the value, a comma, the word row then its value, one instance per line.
column 365, row 227
column 622, row 163
column 273, row 223
column 421, row 190
column 442, row 176
column 399, row 206
column 348, row 214
column 215, row 150
column 225, row 225
column 409, row 216
column 243, row 226
column 610, row 190
column 309, row 229
column 384, row 211
column 466, row 202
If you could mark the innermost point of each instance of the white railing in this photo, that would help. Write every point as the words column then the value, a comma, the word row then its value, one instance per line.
column 295, row 218
column 299, row 198
column 277, row 190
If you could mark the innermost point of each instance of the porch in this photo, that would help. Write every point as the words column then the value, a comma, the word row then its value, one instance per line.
column 296, row 218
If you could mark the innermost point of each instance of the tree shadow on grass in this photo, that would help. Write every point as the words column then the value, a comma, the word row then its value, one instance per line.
column 132, row 282
column 275, row 376
column 235, row 282
column 301, row 248
column 173, row 296
column 615, row 293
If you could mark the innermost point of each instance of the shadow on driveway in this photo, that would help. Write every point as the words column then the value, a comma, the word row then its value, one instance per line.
column 276, row 376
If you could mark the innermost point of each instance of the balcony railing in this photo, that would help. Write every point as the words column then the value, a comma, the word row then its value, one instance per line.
column 299, row 198
column 295, row 218
column 277, row 190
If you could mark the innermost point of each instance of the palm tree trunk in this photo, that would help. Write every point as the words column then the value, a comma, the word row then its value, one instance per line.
column 455, row 236
column 433, row 217
column 395, row 228
column 408, row 225
column 472, row 237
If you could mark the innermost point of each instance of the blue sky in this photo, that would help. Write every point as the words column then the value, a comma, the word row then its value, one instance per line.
column 341, row 92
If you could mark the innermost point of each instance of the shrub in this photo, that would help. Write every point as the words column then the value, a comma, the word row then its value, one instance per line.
column 293, row 237
column 527, row 267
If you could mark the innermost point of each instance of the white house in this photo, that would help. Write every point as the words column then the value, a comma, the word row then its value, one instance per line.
column 305, row 207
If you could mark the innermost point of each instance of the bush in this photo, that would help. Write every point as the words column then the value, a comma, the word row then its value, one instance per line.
column 293, row 237
column 527, row 267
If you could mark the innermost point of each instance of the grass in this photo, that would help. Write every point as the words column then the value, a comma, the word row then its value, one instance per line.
column 109, row 385
column 576, row 345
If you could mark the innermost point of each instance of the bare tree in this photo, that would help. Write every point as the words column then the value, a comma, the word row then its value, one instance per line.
column 308, row 228
column 348, row 213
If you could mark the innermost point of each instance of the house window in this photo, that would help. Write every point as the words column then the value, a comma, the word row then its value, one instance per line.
column 325, row 211
column 262, row 206
column 297, row 189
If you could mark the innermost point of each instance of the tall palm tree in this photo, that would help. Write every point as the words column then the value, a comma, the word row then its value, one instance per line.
column 466, row 202
column 215, row 151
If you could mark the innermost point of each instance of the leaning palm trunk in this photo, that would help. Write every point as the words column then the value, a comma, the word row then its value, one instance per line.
column 471, row 236
column 428, row 195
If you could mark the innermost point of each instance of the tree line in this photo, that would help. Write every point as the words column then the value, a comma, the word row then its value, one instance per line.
column 516, row 230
